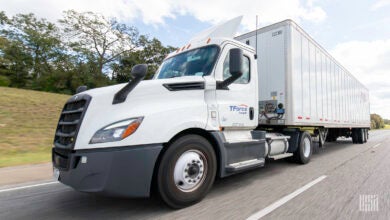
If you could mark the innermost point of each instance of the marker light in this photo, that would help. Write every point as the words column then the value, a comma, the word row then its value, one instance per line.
column 116, row 131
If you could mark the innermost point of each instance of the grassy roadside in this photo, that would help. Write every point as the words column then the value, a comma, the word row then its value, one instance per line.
column 27, row 123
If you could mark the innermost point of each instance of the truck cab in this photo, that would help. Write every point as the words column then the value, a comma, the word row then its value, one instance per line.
column 196, row 120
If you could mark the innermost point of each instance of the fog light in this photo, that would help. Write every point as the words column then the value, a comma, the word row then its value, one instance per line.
column 83, row 159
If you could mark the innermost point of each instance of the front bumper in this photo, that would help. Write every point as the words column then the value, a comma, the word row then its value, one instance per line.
column 117, row 171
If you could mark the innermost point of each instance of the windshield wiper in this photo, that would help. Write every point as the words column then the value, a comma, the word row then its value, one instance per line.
column 173, row 77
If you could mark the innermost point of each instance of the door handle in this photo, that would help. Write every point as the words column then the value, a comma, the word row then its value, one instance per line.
column 251, row 113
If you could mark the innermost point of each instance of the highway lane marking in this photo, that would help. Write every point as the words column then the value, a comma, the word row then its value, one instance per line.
column 28, row 186
column 376, row 145
column 284, row 200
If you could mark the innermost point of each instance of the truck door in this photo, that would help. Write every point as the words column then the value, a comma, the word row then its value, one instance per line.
column 238, row 105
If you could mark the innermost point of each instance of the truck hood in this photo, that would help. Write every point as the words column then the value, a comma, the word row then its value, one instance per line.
column 149, row 99
column 147, row 89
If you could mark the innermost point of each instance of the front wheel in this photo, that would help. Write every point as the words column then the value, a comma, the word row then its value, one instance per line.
column 187, row 171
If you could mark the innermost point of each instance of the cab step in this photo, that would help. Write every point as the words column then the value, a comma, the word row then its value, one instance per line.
column 281, row 156
column 244, row 165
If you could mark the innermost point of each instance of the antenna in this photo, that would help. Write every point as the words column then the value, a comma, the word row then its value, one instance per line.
column 256, row 39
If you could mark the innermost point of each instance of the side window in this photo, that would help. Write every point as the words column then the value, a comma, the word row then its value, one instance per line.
column 244, row 79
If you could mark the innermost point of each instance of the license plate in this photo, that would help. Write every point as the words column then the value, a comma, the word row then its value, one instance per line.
column 56, row 173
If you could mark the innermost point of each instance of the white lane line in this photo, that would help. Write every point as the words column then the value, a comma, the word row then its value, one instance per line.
column 28, row 186
column 284, row 200
column 376, row 145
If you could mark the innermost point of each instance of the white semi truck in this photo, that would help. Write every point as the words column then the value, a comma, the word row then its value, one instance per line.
column 216, row 107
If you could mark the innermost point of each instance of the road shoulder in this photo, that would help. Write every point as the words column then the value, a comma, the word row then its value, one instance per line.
column 24, row 174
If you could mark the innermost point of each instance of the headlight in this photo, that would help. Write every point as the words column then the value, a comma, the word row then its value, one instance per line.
column 116, row 131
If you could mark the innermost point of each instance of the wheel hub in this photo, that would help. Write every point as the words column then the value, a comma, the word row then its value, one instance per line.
column 193, row 170
column 190, row 170
column 306, row 147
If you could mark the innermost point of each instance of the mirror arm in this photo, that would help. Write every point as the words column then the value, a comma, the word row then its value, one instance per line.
column 121, row 95
column 139, row 73
column 224, row 84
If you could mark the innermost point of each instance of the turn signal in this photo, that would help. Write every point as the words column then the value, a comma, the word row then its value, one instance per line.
column 131, row 128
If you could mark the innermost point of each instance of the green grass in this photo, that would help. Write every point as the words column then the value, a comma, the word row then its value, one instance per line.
column 27, row 124
column 387, row 126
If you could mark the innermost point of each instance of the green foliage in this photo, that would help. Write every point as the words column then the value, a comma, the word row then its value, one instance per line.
column 97, row 38
column 30, row 46
column 376, row 121
column 4, row 81
column 153, row 54
column 84, row 49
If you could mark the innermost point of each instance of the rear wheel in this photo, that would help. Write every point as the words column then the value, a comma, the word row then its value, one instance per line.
column 305, row 149
column 187, row 171
column 360, row 135
column 365, row 135
column 355, row 135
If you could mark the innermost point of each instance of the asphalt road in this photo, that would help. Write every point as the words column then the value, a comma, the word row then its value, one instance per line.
column 349, row 173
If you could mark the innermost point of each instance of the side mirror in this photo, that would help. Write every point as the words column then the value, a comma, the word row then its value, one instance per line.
column 235, row 62
column 139, row 71
column 235, row 68
column 81, row 89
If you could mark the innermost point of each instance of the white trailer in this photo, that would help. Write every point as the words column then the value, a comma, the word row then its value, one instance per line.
column 317, row 90
column 216, row 107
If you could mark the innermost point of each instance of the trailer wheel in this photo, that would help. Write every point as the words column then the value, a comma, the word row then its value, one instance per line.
column 187, row 171
column 305, row 149
column 354, row 136
column 360, row 135
column 365, row 134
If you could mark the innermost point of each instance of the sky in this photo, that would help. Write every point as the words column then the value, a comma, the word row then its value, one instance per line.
column 356, row 33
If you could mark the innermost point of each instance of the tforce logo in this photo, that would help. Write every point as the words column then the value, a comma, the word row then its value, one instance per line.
column 241, row 109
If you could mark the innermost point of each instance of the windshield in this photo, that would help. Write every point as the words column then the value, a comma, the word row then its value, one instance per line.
column 197, row 62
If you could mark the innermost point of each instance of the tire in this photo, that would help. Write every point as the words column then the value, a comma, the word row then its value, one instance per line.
column 360, row 135
column 364, row 135
column 305, row 149
column 189, row 158
column 354, row 136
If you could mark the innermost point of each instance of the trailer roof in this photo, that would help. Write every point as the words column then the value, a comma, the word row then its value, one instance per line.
column 295, row 25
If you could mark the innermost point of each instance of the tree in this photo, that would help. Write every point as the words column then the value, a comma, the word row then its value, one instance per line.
column 3, row 18
column 98, row 39
column 30, row 47
column 86, row 49
column 150, row 52
column 376, row 121
column 15, row 63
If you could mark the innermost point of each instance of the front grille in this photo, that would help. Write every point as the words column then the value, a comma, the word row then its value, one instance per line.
column 70, row 120
column 60, row 158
